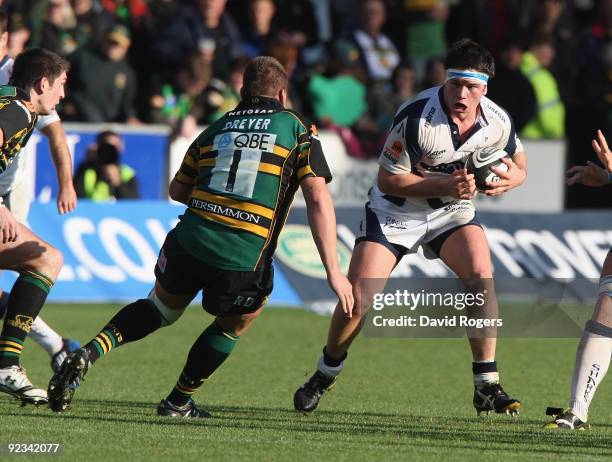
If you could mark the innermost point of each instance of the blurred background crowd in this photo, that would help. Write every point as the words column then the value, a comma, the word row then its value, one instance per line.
column 351, row 62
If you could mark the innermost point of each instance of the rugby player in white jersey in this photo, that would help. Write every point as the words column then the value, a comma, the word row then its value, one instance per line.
column 424, row 192
column 595, row 347
column 16, row 196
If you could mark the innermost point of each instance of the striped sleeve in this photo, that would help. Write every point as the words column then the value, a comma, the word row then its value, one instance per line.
column 188, row 171
column 311, row 160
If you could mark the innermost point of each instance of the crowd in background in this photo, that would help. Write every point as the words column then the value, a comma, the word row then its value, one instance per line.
column 351, row 62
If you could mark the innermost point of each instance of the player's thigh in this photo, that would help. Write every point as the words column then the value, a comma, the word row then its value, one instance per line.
column 29, row 252
column 370, row 267
column 177, row 274
column 236, row 293
column 466, row 252
column 603, row 308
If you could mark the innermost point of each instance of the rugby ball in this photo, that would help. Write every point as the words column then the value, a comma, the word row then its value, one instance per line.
column 480, row 163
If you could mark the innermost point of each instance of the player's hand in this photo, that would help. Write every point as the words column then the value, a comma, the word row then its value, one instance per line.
column 8, row 225
column 508, row 180
column 603, row 151
column 343, row 289
column 66, row 199
column 462, row 185
column 589, row 175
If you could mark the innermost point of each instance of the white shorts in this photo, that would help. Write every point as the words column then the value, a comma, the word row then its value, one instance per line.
column 404, row 233
column 18, row 201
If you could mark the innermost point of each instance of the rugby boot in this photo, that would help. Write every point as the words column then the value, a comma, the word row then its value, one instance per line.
column 566, row 420
column 166, row 409
column 307, row 397
column 15, row 382
column 492, row 397
column 64, row 383
column 68, row 346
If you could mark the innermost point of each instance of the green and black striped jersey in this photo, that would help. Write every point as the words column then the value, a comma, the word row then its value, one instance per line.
column 17, row 121
column 245, row 169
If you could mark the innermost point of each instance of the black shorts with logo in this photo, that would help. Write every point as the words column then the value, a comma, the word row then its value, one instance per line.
column 224, row 292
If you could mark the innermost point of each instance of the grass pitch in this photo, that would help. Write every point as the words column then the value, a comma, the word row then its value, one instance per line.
column 397, row 399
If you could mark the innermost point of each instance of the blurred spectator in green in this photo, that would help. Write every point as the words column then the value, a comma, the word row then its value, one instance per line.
column 102, row 177
column 549, row 119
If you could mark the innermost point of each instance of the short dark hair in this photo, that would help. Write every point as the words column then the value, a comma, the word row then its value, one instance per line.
column 34, row 64
column 263, row 76
column 467, row 54
column 3, row 22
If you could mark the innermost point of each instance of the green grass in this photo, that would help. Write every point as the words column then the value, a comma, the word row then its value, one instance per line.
column 397, row 399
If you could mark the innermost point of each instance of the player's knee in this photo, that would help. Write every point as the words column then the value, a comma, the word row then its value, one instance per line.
column 605, row 285
column 478, row 269
column 50, row 262
column 169, row 315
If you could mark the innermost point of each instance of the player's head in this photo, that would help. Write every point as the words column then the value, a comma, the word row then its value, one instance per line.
column 468, row 69
column 42, row 74
column 265, row 76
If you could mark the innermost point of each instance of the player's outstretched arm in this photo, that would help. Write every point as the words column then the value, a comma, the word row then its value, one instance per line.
column 322, row 221
column 510, row 179
column 592, row 174
column 66, row 197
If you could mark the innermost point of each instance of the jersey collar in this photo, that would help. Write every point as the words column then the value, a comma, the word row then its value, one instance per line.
column 261, row 102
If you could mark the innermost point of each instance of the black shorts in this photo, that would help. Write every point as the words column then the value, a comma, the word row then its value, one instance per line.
column 224, row 292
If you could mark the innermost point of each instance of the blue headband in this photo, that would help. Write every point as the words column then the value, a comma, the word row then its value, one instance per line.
column 480, row 77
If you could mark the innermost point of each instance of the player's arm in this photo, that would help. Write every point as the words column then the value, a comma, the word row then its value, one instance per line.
column 460, row 185
column 8, row 223
column 180, row 192
column 12, row 120
column 313, row 173
column 184, row 180
column 592, row 174
column 62, row 160
column 322, row 221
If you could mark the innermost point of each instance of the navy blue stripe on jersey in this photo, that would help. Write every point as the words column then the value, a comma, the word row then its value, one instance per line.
column 511, row 145
column 411, row 114
column 399, row 201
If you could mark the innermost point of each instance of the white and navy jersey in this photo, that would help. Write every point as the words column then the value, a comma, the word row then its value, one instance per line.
column 423, row 136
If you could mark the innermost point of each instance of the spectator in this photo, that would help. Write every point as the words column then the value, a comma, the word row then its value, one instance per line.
column 510, row 88
column 424, row 26
column 93, row 23
column 58, row 29
column 19, row 34
column 103, row 177
column 339, row 101
column 379, row 54
column 101, row 84
column 296, row 23
column 288, row 54
column 549, row 119
column 203, row 26
column 435, row 73
column 259, row 30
